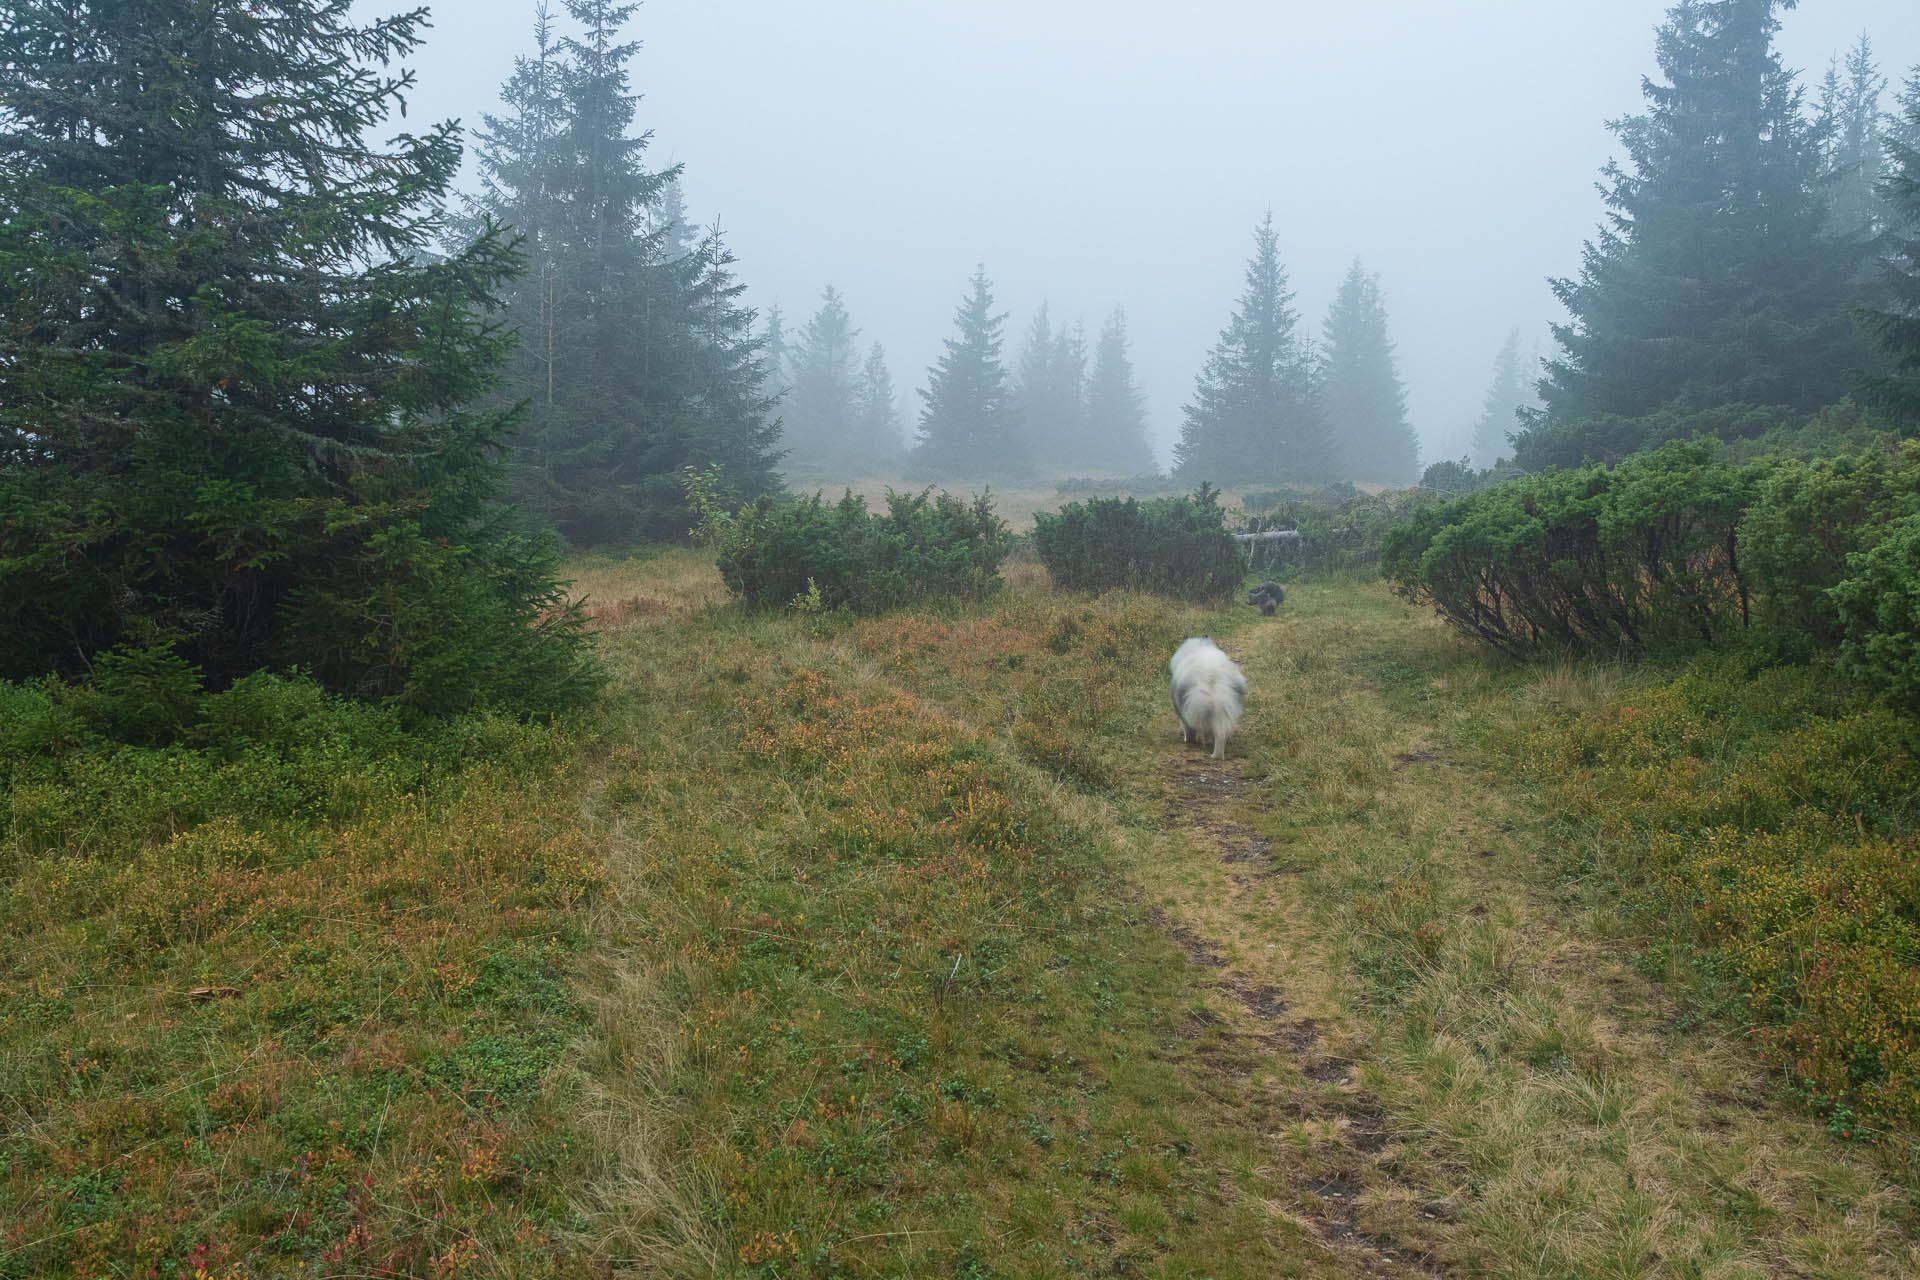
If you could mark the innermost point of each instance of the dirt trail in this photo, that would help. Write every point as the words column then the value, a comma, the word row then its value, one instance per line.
column 1242, row 919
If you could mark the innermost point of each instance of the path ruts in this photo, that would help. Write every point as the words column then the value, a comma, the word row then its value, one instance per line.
column 1344, row 1166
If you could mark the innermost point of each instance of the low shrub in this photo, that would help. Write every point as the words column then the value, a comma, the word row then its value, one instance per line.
column 1808, row 522
column 1879, row 610
column 1591, row 558
column 1681, row 549
column 840, row 555
column 1169, row 546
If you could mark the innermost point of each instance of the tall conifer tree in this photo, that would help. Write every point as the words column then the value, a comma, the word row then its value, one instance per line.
column 630, row 315
column 968, row 424
column 1256, row 409
column 1366, row 403
column 774, row 376
column 1507, row 394
column 820, row 413
column 1852, row 113
column 234, row 378
column 1904, row 127
column 1033, row 385
column 877, row 411
column 1896, row 326
column 1714, row 280
column 1116, row 409
column 1066, row 445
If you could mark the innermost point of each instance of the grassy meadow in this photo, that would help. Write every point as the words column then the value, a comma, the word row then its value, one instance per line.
column 909, row 946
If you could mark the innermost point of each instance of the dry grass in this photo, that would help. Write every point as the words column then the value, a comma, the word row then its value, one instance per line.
column 897, row 1006
column 327, row 1040
column 659, row 586
column 1397, row 1044
column 1547, row 1091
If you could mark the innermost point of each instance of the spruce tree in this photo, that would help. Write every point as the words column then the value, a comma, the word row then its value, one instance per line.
column 1896, row 326
column 1116, row 409
column 1365, row 401
column 1713, row 280
column 714, row 412
column 968, row 425
column 1852, row 116
column 1256, row 411
column 518, row 156
column 1903, row 129
column 678, row 236
column 1066, row 446
column 1033, row 387
column 820, row 412
column 877, row 411
column 1507, row 395
column 774, row 376
column 630, row 313
column 234, row 377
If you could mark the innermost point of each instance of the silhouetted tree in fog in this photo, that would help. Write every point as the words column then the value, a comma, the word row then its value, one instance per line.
column 1714, row 280
column 1509, row 392
column 680, row 236
column 1066, row 445
column 819, row 415
column 774, row 378
column 1116, row 410
column 1050, row 393
column 1365, row 401
column 1852, row 116
column 1256, row 410
column 1033, row 381
column 967, row 420
column 877, row 411
column 636, row 357
column 1896, row 326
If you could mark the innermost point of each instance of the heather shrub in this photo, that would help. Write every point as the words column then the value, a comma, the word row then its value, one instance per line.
column 141, row 752
column 1169, row 546
column 840, row 555
column 1764, row 821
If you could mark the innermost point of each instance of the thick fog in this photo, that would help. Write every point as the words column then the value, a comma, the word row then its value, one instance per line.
column 1094, row 155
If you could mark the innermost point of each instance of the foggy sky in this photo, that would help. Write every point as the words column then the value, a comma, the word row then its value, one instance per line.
column 1120, row 151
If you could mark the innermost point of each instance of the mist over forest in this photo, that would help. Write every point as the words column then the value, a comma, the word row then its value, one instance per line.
column 1124, row 163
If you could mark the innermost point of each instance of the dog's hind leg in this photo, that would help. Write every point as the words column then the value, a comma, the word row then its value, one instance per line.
column 1219, row 731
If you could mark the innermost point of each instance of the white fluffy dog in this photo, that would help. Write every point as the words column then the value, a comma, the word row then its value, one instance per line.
column 1208, row 693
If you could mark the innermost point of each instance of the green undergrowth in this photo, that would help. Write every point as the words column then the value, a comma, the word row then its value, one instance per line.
column 285, row 989
column 1761, row 829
